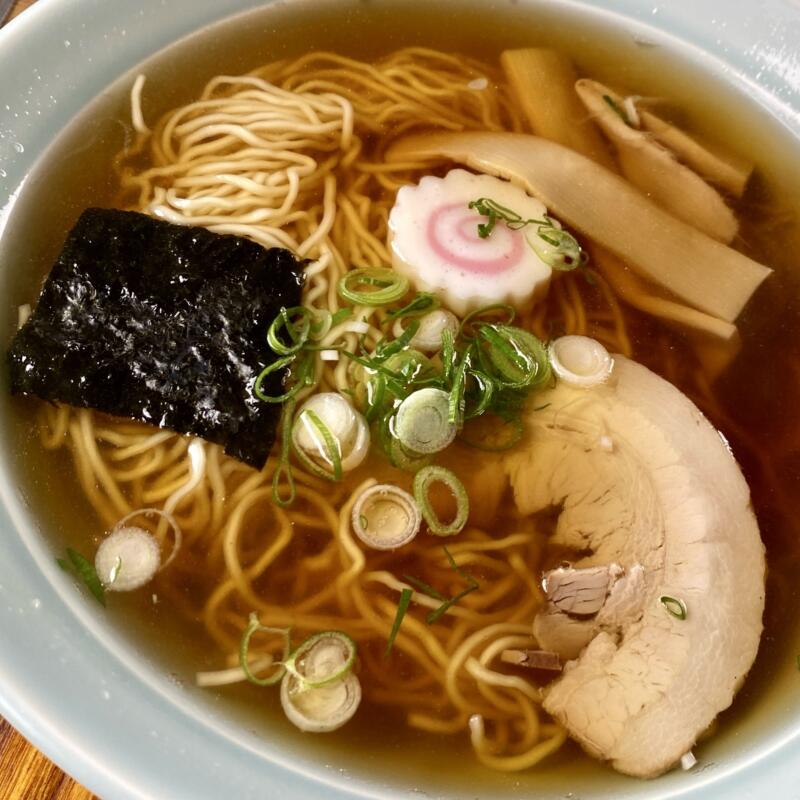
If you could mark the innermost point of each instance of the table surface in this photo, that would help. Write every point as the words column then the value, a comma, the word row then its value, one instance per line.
column 25, row 774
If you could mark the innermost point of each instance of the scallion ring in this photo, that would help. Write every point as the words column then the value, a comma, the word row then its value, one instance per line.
column 385, row 517
column 430, row 334
column 322, row 658
column 302, row 375
column 385, row 286
column 422, row 483
column 254, row 626
column 674, row 606
column 580, row 361
column 293, row 324
column 558, row 248
column 422, row 423
column 514, row 357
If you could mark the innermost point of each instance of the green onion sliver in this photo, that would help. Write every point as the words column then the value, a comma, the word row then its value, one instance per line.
column 402, row 607
column 253, row 627
column 674, row 606
column 86, row 571
column 284, row 468
column 287, row 326
column 422, row 424
column 372, row 286
column 422, row 303
column 329, row 449
column 302, row 375
column 322, row 658
column 422, row 483
column 486, row 314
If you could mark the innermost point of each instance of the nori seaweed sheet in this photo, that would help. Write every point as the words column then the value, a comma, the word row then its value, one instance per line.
column 161, row 323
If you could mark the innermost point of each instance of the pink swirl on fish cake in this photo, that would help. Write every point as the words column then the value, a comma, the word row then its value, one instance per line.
column 462, row 228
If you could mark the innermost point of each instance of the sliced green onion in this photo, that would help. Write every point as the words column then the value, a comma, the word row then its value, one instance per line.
column 385, row 517
column 558, row 248
column 286, row 326
column 302, row 376
column 401, row 458
column 423, row 587
column 580, row 361
column 477, row 317
column 439, row 612
column 422, row 303
column 456, row 402
column 329, row 447
column 284, row 467
column 341, row 315
column 674, row 606
column 514, row 357
column 320, row 710
column 137, row 548
column 447, row 355
column 431, row 331
column 614, row 106
column 486, row 390
column 422, row 483
column 386, row 286
column 385, row 348
column 86, row 571
column 253, row 627
column 322, row 659
column 472, row 585
column 494, row 211
column 409, row 366
column 422, row 424
column 402, row 608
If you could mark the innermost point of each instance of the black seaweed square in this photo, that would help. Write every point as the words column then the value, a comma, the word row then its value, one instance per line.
column 161, row 323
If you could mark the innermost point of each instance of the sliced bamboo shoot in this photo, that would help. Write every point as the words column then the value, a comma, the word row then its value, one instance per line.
column 724, row 169
column 635, row 291
column 715, row 341
column 675, row 256
column 543, row 83
column 655, row 170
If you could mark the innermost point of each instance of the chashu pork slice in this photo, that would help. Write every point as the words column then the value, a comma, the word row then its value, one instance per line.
column 649, row 490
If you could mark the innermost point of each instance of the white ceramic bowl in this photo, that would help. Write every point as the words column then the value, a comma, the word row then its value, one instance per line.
column 82, row 691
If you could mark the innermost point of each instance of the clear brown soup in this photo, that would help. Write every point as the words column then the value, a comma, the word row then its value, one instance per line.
column 755, row 403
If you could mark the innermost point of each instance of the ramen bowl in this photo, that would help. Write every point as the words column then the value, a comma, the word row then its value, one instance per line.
column 98, row 697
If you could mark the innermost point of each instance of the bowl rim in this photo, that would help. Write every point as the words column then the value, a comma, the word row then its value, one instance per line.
column 29, row 581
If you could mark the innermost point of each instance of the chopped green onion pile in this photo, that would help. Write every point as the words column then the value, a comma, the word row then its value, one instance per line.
column 415, row 404
column 558, row 248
